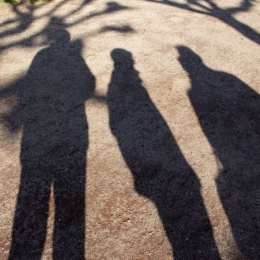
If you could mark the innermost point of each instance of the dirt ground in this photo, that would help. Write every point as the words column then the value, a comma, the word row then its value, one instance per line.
column 130, row 130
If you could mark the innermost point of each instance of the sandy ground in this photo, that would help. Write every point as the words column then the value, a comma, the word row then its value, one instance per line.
column 130, row 130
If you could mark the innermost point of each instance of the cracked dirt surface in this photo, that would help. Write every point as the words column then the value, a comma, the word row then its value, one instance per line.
column 130, row 130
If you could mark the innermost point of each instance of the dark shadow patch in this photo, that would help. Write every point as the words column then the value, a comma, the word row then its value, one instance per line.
column 229, row 114
column 159, row 169
column 50, row 110
column 119, row 29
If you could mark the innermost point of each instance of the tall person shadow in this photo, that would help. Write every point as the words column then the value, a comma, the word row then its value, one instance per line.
column 51, row 111
column 159, row 170
column 229, row 114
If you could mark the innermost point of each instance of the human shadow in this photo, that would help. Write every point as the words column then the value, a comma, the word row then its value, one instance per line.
column 51, row 111
column 226, row 15
column 159, row 169
column 229, row 114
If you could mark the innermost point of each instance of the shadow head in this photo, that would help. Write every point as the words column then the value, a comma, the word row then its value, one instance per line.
column 122, row 58
column 55, row 32
column 58, row 36
column 189, row 60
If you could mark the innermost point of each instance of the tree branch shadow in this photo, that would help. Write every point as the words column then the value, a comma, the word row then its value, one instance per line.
column 225, row 15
